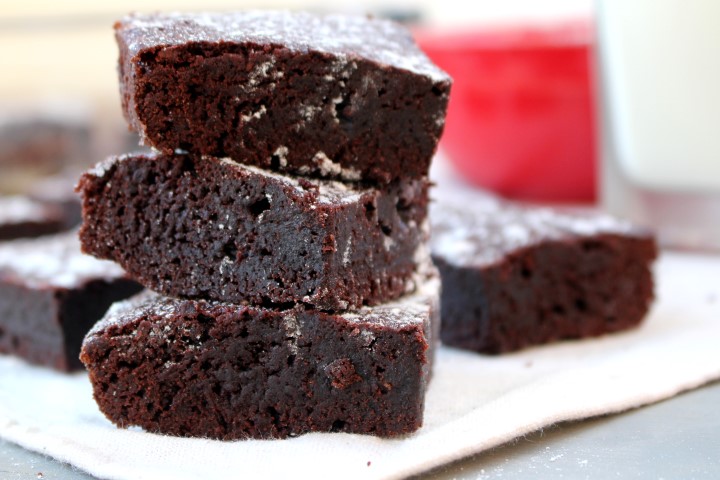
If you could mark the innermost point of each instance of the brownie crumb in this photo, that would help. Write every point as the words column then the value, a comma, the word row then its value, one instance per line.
column 342, row 373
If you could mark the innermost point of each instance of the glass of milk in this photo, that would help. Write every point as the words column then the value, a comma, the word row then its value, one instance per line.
column 659, row 80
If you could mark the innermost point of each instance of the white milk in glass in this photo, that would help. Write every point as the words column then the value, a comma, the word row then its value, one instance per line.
column 660, row 100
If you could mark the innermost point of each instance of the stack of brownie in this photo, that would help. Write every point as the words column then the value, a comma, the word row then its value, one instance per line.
column 282, row 221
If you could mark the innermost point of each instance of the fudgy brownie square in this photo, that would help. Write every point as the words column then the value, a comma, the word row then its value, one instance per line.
column 23, row 217
column 318, row 95
column 515, row 276
column 50, row 296
column 203, row 368
column 202, row 227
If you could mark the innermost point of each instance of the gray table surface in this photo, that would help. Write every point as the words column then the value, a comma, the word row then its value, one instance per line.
column 675, row 439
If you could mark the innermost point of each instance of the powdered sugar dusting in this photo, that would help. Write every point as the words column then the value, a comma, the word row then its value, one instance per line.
column 255, row 115
column 328, row 192
column 308, row 112
column 347, row 251
column 413, row 309
column 328, row 168
column 483, row 233
column 53, row 261
column 292, row 331
column 101, row 168
column 281, row 153
column 346, row 37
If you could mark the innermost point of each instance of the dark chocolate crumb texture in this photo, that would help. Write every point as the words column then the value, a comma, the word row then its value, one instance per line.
column 317, row 95
column 517, row 276
column 209, row 369
column 194, row 227
column 50, row 296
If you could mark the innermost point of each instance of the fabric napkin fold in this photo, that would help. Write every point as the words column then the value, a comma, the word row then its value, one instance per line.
column 474, row 402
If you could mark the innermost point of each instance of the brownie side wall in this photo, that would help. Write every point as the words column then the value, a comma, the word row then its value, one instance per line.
column 80, row 308
column 376, row 242
column 463, row 306
column 29, row 326
column 201, row 229
column 247, row 101
column 553, row 291
column 238, row 373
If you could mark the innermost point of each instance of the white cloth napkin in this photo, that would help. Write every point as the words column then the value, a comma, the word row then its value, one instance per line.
column 474, row 402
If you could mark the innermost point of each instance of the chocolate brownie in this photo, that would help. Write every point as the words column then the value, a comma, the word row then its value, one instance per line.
column 202, row 227
column 209, row 369
column 317, row 95
column 23, row 217
column 50, row 296
column 41, row 140
column 517, row 276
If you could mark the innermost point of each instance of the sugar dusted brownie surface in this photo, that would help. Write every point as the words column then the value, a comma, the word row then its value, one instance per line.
column 517, row 276
column 210, row 228
column 210, row 369
column 50, row 296
column 326, row 96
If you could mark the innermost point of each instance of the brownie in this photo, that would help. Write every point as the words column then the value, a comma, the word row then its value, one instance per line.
column 50, row 296
column 202, row 227
column 204, row 368
column 317, row 95
column 22, row 217
column 516, row 276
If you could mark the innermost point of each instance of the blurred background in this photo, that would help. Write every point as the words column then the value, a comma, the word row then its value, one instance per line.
column 563, row 101
column 60, row 106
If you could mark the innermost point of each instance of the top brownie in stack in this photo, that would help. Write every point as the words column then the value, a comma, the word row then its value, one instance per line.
column 335, row 96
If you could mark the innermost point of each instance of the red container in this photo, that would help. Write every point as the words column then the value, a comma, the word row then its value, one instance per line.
column 520, row 120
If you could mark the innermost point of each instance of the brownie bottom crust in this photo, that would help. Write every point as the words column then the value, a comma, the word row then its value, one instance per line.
column 209, row 369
